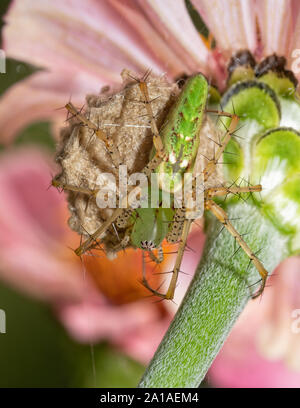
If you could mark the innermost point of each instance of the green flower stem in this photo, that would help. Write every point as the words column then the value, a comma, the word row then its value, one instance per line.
column 215, row 298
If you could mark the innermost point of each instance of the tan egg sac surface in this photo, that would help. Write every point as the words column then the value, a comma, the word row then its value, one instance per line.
column 83, row 157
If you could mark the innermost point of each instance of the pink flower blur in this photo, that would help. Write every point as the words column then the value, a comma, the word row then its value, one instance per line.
column 82, row 46
column 35, row 259
column 271, row 357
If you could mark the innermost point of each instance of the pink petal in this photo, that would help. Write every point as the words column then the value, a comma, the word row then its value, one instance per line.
column 87, row 36
column 173, row 23
column 136, row 328
column 275, row 24
column 130, row 326
column 245, row 359
column 130, row 11
column 252, row 371
column 143, row 342
column 34, row 259
column 294, row 55
column 276, row 337
column 232, row 23
column 40, row 97
column 37, row 272
column 33, row 254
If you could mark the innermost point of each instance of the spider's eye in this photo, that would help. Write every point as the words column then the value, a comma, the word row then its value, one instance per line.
column 147, row 245
column 144, row 244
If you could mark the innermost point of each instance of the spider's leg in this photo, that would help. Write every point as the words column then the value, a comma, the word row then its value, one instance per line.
column 220, row 191
column 111, row 148
column 172, row 286
column 157, row 141
column 175, row 232
column 220, row 112
column 180, row 229
column 119, row 212
column 221, row 215
column 210, row 167
column 70, row 187
column 89, row 242
column 123, row 243
column 120, row 215
column 157, row 258
column 185, row 231
column 123, row 219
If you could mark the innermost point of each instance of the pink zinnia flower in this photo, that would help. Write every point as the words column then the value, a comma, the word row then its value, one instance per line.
column 82, row 46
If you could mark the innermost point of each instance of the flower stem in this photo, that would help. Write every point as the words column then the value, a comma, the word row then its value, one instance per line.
column 217, row 295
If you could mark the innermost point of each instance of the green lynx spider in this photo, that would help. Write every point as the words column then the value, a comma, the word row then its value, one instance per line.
column 175, row 146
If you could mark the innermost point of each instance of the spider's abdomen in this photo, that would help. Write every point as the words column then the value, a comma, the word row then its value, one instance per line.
column 151, row 226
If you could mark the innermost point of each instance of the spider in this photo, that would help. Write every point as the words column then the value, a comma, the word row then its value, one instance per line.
column 176, row 151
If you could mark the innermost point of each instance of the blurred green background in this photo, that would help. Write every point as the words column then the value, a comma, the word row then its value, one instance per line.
column 36, row 351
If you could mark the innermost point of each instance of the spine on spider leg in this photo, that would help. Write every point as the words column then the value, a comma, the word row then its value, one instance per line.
column 219, row 291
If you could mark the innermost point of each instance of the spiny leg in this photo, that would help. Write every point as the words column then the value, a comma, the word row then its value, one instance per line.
column 124, row 242
column 220, row 191
column 157, row 141
column 123, row 219
column 173, row 237
column 93, row 237
column 220, row 112
column 172, row 285
column 90, row 242
column 157, row 258
column 221, row 215
column 112, row 149
column 70, row 187
column 210, row 167
column 175, row 232
column 180, row 229
column 186, row 228
column 120, row 213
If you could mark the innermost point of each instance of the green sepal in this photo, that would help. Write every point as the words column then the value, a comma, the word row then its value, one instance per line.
column 241, row 73
column 214, row 96
column 258, row 108
column 276, row 165
column 281, row 84
column 253, row 100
